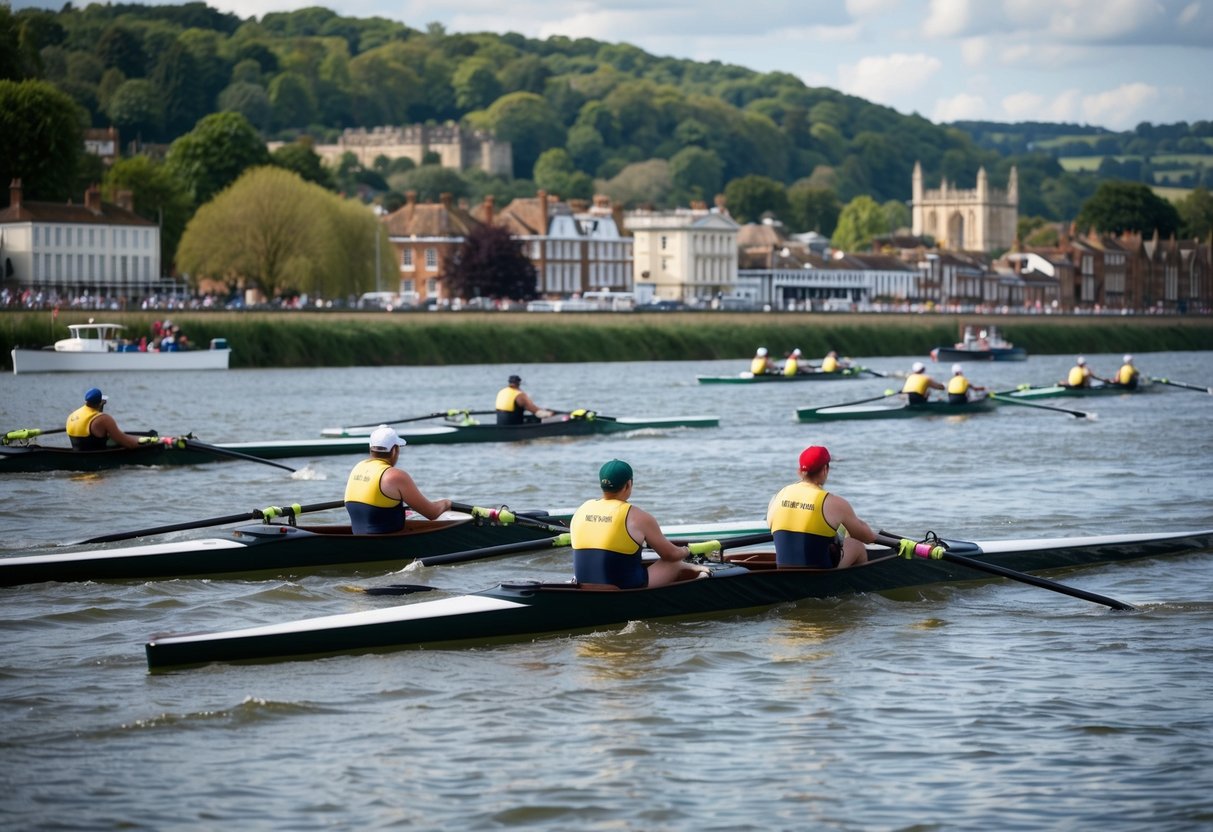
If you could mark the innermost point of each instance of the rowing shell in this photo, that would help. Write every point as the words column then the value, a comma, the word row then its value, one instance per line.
column 274, row 549
column 453, row 434
column 34, row 458
column 525, row 609
column 901, row 410
column 1054, row 391
column 763, row 378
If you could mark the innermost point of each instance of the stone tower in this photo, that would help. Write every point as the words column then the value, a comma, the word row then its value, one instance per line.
column 982, row 219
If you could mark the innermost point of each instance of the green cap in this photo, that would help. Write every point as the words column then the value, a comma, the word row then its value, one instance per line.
column 614, row 474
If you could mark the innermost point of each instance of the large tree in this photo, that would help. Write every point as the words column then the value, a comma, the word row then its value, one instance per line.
column 41, row 139
column 157, row 194
column 1117, row 207
column 214, row 154
column 751, row 196
column 490, row 263
column 1196, row 212
column 274, row 231
column 861, row 220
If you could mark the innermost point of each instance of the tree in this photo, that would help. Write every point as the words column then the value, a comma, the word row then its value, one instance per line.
column 1196, row 214
column 490, row 263
column 41, row 139
column 250, row 100
column 813, row 208
column 214, row 154
column 861, row 220
column 136, row 110
column 158, row 196
column 554, row 172
column 697, row 172
column 476, row 85
column 292, row 100
column 272, row 230
column 300, row 157
column 529, row 123
column 1117, row 207
column 430, row 182
column 749, row 197
column 640, row 183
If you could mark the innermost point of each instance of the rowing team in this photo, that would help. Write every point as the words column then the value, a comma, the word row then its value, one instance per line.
column 762, row 364
column 810, row 526
column 919, row 384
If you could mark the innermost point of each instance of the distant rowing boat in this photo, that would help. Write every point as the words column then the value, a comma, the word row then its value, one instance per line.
column 548, row 428
column 1054, row 391
column 98, row 347
column 741, row 581
column 32, row 457
column 986, row 345
column 900, row 410
column 764, row 378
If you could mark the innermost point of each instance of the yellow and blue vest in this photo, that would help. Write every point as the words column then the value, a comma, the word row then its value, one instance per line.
column 1127, row 376
column 603, row 551
column 371, row 511
column 798, row 525
column 508, row 411
column 79, row 422
column 917, row 384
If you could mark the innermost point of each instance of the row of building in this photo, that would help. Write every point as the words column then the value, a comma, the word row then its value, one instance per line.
column 697, row 256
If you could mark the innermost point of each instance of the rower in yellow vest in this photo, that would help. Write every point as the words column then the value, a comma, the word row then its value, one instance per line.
column 1128, row 375
column 762, row 363
column 792, row 365
column 1080, row 374
column 959, row 386
column 90, row 429
column 919, row 385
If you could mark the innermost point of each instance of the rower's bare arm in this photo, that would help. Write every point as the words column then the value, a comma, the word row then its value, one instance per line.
column 856, row 528
column 644, row 526
column 414, row 499
column 114, row 433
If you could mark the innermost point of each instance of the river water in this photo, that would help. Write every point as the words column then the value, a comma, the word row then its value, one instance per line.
column 990, row 705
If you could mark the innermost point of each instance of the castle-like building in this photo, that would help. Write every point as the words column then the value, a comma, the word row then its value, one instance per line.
column 983, row 219
column 458, row 149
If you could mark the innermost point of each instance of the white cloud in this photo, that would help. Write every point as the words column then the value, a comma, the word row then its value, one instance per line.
column 962, row 107
column 888, row 79
column 1122, row 107
column 947, row 18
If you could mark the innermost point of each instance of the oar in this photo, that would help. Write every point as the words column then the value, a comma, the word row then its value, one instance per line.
column 587, row 415
column 1208, row 390
column 194, row 444
column 1077, row 414
column 702, row 547
column 267, row 513
column 440, row 414
column 885, row 395
column 494, row 551
column 25, row 434
column 505, row 517
column 908, row 548
column 876, row 373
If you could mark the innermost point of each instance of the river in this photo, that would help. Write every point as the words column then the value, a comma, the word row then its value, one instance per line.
column 990, row 705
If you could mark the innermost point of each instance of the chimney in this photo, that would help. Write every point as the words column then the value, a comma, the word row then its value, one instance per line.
column 543, row 212
column 720, row 204
column 14, row 193
column 410, row 198
column 92, row 199
column 445, row 199
column 488, row 209
column 126, row 199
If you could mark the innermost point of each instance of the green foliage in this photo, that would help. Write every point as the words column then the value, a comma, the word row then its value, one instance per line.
column 136, row 110
column 1128, row 206
column 41, row 141
column 1196, row 215
column 861, row 220
column 641, row 183
column 529, row 123
column 274, row 231
column 749, row 197
column 214, row 154
column 157, row 194
column 299, row 157
column 697, row 173
column 813, row 208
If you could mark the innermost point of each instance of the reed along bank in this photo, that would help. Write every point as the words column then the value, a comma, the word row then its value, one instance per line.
column 348, row 339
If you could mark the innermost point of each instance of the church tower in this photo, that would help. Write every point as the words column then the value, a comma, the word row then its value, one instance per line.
column 983, row 219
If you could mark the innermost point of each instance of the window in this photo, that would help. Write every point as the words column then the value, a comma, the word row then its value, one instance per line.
column 431, row 259
column 406, row 260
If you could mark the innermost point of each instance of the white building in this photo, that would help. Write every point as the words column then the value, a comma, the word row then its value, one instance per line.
column 97, row 248
column 688, row 255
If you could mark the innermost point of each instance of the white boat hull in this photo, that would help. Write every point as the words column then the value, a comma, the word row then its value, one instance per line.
column 62, row 361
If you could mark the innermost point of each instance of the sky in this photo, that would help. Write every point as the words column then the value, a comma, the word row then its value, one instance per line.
column 1108, row 63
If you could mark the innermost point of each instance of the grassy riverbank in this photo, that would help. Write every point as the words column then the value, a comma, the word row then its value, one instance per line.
column 294, row 339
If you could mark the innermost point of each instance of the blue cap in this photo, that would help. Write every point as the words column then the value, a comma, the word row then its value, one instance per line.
column 94, row 396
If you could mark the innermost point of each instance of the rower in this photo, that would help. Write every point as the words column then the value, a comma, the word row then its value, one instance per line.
column 918, row 384
column 811, row 526
column 762, row 363
column 608, row 535
column 792, row 365
column 91, row 429
column 513, row 404
column 959, row 386
column 833, row 364
column 377, row 492
column 1128, row 375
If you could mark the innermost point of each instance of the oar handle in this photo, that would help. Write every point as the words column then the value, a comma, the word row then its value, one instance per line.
column 294, row 510
column 506, row 517
column 25, row 434
column 703, row 547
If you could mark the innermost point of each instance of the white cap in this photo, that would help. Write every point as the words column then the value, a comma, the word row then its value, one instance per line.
column 384, row 438
column 1128, row 359
column 1081, row 361
column 796, row 351
column 918, row 367
column 957, row 369
column 762, row 351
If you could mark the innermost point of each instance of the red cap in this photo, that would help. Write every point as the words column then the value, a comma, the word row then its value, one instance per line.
column 813, row 459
